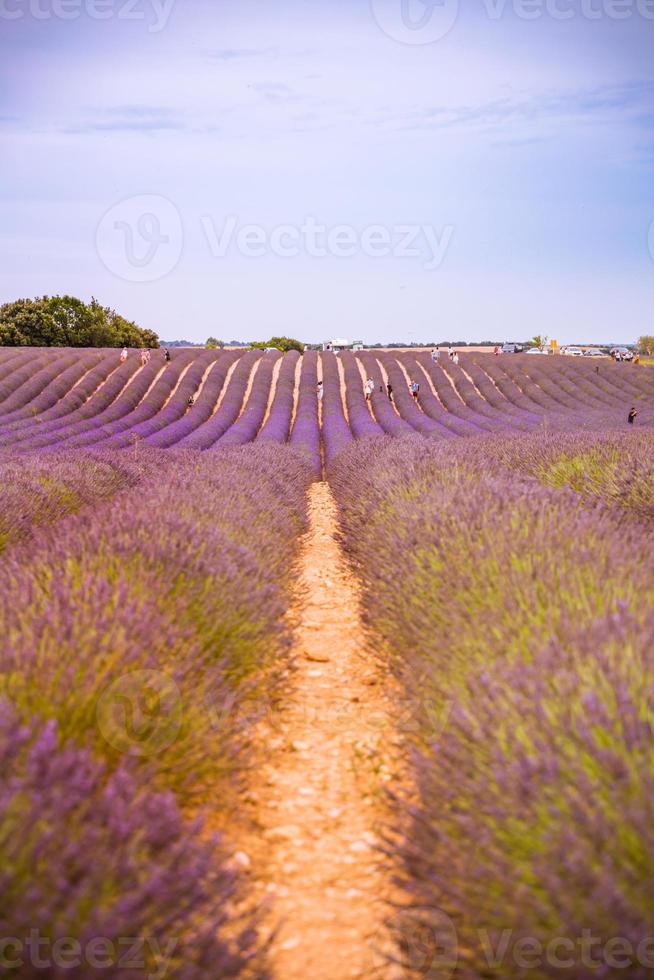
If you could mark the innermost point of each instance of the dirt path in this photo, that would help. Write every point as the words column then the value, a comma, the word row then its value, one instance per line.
column 319, row 802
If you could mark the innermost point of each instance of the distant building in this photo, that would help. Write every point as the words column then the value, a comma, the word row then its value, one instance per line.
column 340, row 343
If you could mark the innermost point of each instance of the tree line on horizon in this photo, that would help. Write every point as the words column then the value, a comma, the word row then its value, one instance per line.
column 66, row 321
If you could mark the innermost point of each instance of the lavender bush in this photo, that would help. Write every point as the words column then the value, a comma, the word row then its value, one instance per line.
column 305, row 431
column 336, row 430
column 406, row 406
column 615, row 467
column 159, row 392
column 52, row 395
column 518, row 617
column 382, row 408
column 250, row 421
column 181, row 581
column 31, row 378
column 230, row 408
column 173, row 432
column 535, row 823
column 278, row 424
column 492, row 368
column 119, row 396
column 153, row 418
column 142, row 640
column 101, row 876
column 40, row 489
column 446, row 407
column 361, row 421
column 518, row 416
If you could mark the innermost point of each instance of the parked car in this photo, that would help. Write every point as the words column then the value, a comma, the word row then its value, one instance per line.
column 536, row 350
column 624, row 352
column 511, row 348
column 573, row 352
column 593, row 352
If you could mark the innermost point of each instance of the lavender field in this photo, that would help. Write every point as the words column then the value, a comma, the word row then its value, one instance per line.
column 203, row 399
column 494, row 534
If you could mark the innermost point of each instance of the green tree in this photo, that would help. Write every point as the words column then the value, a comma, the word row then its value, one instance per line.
column 212, row 343
column 281, row 343
column 65, row 321
column 646, row 345
column 538, row 341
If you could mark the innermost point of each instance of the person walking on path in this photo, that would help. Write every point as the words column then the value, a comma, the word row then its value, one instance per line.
column 166, row 354
column 319, row 391
column 123, row 355
column 389, row 391
column 144, row 357
column 435, row 355
column 369, row 387
column 415, row 388
column 631, row 418
column 450, row 352
column 455, row 357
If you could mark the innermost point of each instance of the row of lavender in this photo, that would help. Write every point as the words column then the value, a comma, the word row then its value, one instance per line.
column 141, row 637
column 614, row 467
column 200, row 400
column 480, row 396
column 519, row 618
column 205, row 399
column 484, row 394
column 41, row 489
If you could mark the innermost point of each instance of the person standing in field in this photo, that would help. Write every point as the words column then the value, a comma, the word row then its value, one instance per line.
column 166, row 354
column 496, row 351
column 455, row 357
column 435, row 355
column 369, row 387
column 144, row 357
column 450, row 352
column 415, row 388
column 123, row 355
column 389, row 391
column 319, row 391
column 631, row 418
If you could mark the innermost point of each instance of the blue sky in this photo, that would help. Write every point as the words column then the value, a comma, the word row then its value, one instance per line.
column 469, row 171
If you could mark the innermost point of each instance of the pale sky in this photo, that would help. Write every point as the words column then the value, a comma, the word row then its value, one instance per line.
column 511, row 158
